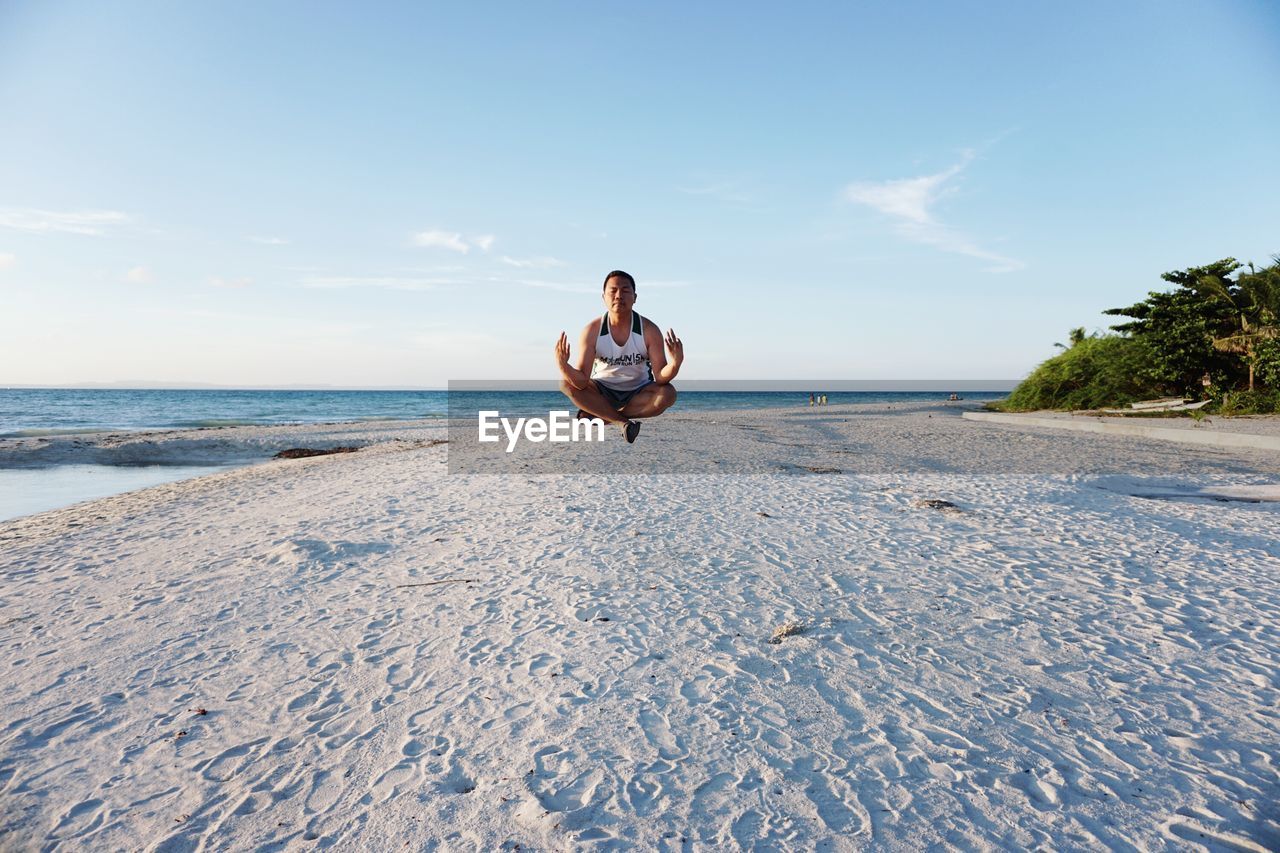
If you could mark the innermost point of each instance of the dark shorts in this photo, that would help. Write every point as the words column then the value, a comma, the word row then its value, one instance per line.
column 616, row 398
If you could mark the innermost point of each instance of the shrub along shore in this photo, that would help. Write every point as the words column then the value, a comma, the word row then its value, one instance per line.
column 1214, row 336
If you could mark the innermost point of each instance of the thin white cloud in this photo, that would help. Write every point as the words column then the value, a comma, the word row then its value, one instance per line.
column 452, row 240
column 540, row 263
column 441, row 240
column 90, row 222
column 440, row 280
column 436, row 269
column 279, row 324
column 909, row 202
column 947, row 240
column 269, row 241
column 7, row 260
column 723, row 191
column 385, row 282
column 563, row 287
column 219, row 281
column 139, row 275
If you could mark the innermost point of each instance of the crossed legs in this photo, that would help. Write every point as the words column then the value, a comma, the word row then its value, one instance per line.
column 649, row 402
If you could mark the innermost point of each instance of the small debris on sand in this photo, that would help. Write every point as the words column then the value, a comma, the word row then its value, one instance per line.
column 304, row 452
column 434, row 583
column 764, row 515
column 786, row 629
column 936, row 503
column 818, row 469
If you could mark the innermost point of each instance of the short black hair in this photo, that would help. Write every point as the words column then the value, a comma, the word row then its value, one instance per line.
column 618, row 274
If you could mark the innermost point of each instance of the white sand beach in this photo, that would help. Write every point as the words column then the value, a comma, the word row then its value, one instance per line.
column 1079, row 649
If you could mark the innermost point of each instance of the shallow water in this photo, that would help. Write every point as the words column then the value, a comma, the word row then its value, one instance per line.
column 25, row 492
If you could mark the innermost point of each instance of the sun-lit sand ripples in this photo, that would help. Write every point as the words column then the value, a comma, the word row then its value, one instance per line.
column 386, row 653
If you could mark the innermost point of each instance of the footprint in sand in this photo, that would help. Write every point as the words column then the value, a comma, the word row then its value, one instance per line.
column 398, row 675
column 419, row 720
column 228, row 763
column 80, row 819
column 597, row 836
column 1041, row 793
column 922, row 768
column 658, row 731
column 306, row 700
column 390, row 783
column 480, row 653
column 712, row 798
column 540, row 757
column 518, row 712
column 458, row 780
column 695, row 691
column 542, row 664
column 647, row 789
column 79, row 714
column 592, row 613
column 349, row 735
column 576, row 794
column 837, row 805
column 643, row 794
column 326, row 787
column 776, row 738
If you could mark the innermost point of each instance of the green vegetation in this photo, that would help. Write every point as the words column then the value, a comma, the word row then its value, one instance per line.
column 1209, row 325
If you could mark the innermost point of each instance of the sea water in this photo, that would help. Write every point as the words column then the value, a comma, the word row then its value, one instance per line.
column 28, row 412
column 46, row 411
column 51, row 411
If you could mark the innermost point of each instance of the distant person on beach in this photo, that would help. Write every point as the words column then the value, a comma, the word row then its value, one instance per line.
column 630, row 373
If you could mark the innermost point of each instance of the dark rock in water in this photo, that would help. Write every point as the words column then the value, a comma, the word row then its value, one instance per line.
column 304, row 452
column 936, row 503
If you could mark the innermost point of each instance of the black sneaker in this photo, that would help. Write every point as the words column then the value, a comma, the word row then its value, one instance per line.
column 630, row 430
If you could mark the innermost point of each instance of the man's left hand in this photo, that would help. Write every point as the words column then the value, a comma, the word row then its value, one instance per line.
column 675, row 347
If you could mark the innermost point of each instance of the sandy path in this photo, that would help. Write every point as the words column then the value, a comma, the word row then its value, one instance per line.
column 1057, row 663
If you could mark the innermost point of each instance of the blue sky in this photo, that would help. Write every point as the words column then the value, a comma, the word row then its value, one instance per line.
column 399, row 195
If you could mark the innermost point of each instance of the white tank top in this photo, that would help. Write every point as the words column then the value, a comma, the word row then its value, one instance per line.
column 626, row 367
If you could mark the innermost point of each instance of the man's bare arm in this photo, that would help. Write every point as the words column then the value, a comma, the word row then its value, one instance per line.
column 664, row 370
column 578, row 376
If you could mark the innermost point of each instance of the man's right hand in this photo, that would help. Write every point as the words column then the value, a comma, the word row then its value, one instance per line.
column 562, row 351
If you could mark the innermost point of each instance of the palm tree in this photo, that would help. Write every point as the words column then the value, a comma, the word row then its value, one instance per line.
column 1255, row 298
column 1076, row 336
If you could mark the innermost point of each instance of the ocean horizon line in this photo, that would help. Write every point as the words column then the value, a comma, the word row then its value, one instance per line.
column 712, row 385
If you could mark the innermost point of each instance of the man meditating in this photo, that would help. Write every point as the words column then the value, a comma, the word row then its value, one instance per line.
column 630, row 375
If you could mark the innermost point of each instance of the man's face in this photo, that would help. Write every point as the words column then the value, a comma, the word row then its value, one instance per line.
column 618, row 294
